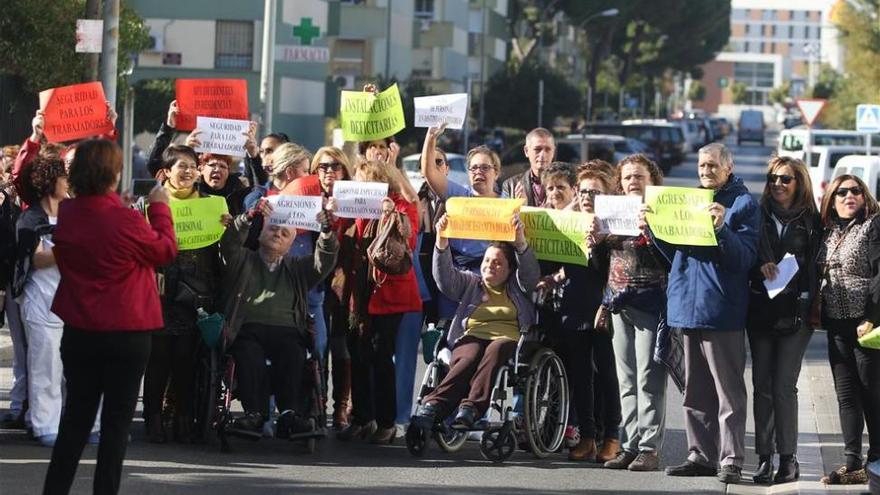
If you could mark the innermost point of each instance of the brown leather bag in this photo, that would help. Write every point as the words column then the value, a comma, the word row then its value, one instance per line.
column 389, row 252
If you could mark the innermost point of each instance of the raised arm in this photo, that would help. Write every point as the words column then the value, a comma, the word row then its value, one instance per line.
column 436, row 179
column 163, row 139
column 451, row 281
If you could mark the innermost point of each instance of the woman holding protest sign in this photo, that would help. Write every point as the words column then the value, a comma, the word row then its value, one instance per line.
column 779, row 327
column 636, row 299
column 574, row 293
column 380, row 300
column 107, row 298
column 850, row 289
column 188, row 283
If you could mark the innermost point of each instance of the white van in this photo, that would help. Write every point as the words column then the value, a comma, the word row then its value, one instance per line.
column 864, row 167
column 824, row 161
column 792, row 141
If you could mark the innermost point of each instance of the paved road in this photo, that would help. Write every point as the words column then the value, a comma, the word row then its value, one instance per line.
column 279, row 467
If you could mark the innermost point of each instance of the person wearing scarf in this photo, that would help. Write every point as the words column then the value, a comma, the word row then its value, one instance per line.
column 779, row 328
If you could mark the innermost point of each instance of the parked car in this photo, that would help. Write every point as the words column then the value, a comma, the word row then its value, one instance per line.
column 720, row 126
column 864, row 167
column 822, row 162
column 751, row 127
column 665, row 140
column 793, row 141
column 690, row 129
column 457, row 169
column 609, row 147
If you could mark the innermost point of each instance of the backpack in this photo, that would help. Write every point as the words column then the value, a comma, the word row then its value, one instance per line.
column 389, row 252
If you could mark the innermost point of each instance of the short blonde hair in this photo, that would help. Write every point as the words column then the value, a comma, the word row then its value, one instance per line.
column 287, row 155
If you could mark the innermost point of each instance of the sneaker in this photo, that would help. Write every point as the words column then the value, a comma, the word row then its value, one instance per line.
column 572, row 436
column 251, row 421
column 730, row 474
column 622, row 461
column 48, row 440
column 645, row 461
column 689, row 468
column 425, row 416
column 94, row 438
column 843, row 476
column 466, row 417
column 13, row 421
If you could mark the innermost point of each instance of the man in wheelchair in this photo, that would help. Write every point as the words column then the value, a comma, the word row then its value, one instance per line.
column 267, row 310
column 492, row 310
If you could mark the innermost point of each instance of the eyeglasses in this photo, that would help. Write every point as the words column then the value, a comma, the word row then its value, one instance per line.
column 592, row 193
column 334, row 166
column 786, row 179
column 841, row 192
column 439, row 162
column 480, row 167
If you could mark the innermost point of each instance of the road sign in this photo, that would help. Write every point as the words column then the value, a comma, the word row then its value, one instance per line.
column 810, row 109
column 868, row 118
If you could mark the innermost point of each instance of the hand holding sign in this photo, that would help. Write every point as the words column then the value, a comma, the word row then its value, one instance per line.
column 302, row 212
column 440, row 229
column 37, row 125
column 716, row 210
column 488, row 219
column 173, row 111
column 367, row 116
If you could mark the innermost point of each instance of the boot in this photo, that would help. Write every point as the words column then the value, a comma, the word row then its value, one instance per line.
column 610, row 448
column 585, row 450
column 155, row 428
column 341, row 372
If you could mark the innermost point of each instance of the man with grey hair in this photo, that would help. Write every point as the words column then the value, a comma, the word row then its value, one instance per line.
column 707, row 298
column 540, row 148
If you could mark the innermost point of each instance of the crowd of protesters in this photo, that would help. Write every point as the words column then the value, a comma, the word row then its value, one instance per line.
column 97, row 297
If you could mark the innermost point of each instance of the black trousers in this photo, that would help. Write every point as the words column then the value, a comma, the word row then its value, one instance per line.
column 285, row 347
column 373, row 382
column 172, row 358
column 95, row 364
column 856, row 372
column 606, row 392
column 575, row 348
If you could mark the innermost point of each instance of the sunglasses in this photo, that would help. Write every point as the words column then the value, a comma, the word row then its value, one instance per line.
column 786, row 179
column 334, row 166
column 590, row 192
column 480, row 168
column 841, row 192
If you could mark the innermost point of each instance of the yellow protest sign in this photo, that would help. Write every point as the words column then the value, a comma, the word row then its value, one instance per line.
column 197, row 221
column 366, row 117
column 557, row 235
column 486, row 219
column 679, row 215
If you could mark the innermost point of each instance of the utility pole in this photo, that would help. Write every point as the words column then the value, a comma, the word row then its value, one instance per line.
column 110, row 50
column 267, row 67
column 483, row 25
column 93, row 11
column 387, row 42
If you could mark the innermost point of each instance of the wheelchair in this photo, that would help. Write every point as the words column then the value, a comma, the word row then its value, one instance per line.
column 535, row 373
column 215, row 384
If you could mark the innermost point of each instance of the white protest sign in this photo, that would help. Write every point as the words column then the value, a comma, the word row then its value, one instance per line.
column 618, row 215
column 222, row 136
column 89, row 35
column 359, row 199
column 431, row 111
column 296, row 211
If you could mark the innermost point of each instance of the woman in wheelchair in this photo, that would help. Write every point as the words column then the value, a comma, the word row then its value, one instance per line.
column 267, row 316
column 493, row 308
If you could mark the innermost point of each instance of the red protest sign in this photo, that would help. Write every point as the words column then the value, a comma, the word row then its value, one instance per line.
column 74, row 112
column 304, row 186
column 221, row 98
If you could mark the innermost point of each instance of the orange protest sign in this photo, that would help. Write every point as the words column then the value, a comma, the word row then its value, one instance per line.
column 488, row 219
column 220, row 98
column 304, row 186
column 74, row 112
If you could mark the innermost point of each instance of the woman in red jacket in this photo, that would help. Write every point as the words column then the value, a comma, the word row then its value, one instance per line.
column 371, row 341
column 109, row 303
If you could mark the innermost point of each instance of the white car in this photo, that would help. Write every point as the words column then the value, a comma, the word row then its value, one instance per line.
column 457, row 169
column 824, row 161
column 864, row 167
column 793, row 141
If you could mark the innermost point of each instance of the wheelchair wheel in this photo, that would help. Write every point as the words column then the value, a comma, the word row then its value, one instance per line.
column 546, row 403
column 498, row 444
column 450, row 440
column 416, row 440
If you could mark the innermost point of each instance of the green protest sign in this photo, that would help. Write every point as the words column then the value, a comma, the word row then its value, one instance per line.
column 367, row 117
column 679, row 215
column 557, row 235
column 197, row 221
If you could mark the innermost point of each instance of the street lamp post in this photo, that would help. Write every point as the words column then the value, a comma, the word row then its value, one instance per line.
column 605, row 13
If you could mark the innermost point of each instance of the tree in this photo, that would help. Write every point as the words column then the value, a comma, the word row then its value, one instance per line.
column 697, row 91
column 512, row 97
column 528, row 23
column 37, row 41
column 151, row 103
column 781, row 94
column 740, row 93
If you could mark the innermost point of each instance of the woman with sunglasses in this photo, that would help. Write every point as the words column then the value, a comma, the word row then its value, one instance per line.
column 850, row 290
column 779, row 329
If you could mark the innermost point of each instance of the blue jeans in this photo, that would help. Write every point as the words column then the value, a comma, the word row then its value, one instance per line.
column 406, row 353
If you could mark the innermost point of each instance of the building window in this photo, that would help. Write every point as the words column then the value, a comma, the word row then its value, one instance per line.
column 424, row 9
column 790, row 31
column 746, row 47
column 234, row 45
column 474, row 40
column 818, row 32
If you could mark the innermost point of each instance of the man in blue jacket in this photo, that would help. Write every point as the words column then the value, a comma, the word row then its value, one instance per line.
column 707, row 298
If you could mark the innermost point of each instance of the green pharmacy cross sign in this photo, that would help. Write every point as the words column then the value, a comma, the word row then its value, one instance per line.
column 306, row 32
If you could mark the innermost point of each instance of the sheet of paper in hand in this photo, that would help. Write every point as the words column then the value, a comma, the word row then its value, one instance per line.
column 431, row 111
column 359, row 199
column 296, row 211
column 222, row 136
column 618, row 215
